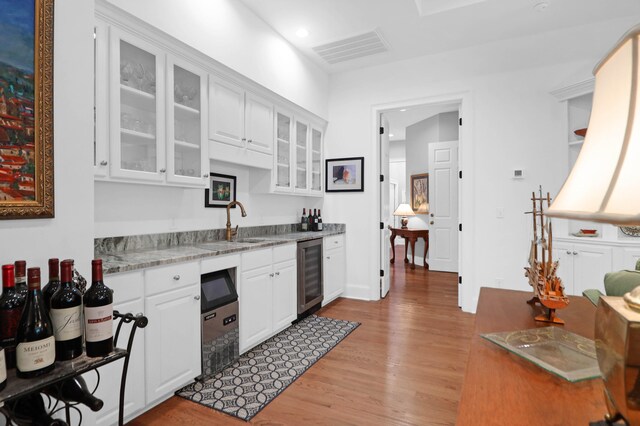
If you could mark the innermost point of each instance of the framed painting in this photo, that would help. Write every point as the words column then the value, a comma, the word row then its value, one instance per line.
column 344, row 175
column 420, row 193
column 221, row 190
column 26, row 109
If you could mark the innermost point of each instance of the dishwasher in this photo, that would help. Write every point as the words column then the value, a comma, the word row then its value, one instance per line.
column 218, row 321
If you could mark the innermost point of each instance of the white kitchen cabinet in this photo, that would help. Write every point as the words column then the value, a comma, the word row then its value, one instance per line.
column 101, row 100
column 266, row 293
column 315, row 160
column 582, row 266
column 240, row 119
column 172, row 339
column 335, row 264
column 187, row 147
column 283, row 158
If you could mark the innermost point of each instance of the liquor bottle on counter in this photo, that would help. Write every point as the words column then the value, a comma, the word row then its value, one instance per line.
column 66, row 315
column 54, row 282
column 11, row 306
column 304, row 221
column 74, row 390
column 21, row 278
column 36, row 348
column 319, row 226
column 98, row 314
column 30, row 409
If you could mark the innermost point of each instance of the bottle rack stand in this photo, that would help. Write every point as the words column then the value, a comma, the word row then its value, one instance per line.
column 17, row 388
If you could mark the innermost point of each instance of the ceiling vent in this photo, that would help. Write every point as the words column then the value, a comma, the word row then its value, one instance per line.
column 350, row 48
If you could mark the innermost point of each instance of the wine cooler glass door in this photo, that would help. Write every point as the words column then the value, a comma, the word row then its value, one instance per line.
column 310, row 276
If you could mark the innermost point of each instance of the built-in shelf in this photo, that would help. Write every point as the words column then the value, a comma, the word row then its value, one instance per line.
column 186, row 144
column 132, row 134
column 137, row 98
column 183, row 108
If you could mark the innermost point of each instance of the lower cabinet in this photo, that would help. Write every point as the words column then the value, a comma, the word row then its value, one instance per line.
column 582, row 266
column 335, row 265
column 266, row 293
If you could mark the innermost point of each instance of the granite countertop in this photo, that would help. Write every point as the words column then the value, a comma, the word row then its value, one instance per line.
column 131, row 260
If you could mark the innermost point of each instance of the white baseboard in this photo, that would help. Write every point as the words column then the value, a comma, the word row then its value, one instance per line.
column 356, row 292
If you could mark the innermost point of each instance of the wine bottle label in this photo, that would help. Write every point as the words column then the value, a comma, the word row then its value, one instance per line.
column 31, row 356
column 98, row 323
column 319, row 226
column 304, row 226
column 3, row 367
column 67, row 324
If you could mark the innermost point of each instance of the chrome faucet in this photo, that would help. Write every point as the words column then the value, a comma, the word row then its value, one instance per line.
column 233, row 233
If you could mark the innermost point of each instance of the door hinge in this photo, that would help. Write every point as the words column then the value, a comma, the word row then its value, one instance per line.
column 382, row 130
column 460, row 174
column 381, row 178
column 460, row 121
column 381, row 225
column 381, row 272
column 460, row 227
column 460, row 279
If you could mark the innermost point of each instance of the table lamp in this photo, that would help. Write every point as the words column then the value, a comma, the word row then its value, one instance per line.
column 404, row 210
column 604, row 186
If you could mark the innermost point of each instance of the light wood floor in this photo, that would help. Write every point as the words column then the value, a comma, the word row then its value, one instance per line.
column 403, row 366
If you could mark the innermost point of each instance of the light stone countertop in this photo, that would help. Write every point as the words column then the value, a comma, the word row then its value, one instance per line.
column 133, row 260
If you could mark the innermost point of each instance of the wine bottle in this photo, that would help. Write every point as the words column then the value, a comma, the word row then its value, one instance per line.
column 315, row 221
column 319, row 227
column 30, row 409
column 98, row 314
column 54, row 282
column 304, row 222
column 11, row 306
column 36, row 348
column 310, row 221
column 66, row 314
column 21, row 278
column 74, row 390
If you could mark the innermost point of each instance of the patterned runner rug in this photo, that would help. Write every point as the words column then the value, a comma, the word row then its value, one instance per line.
column 249, row 384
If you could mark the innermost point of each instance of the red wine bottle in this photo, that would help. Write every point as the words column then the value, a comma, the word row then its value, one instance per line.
column 30, row 410
column 36, row 348
column 21, row 278
column 304, row 221
column 54, row 282
column 11, row 306
column 74, row 390
column 319, row 225
column 98, row 314
column 66, row 315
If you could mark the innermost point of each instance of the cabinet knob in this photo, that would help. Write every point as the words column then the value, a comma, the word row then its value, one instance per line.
column 103, row 163
column 271, row 275
column 575, row 253
column 163, row 170
column 329, row 257
column 205, row 176
column 197, row 297
column 431, row 223
column 250, row 141
column 176, row 277
column 568, row 251
column 277, row 273
column 244, row 139
column 335, row 242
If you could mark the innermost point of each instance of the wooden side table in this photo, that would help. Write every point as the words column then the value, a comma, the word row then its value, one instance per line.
column 410, row 237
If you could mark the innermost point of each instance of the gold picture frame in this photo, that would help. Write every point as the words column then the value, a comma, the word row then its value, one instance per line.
column 420, row 193
column 26, row 113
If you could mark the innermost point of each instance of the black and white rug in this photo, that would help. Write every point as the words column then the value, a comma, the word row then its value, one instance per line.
column 249, row 384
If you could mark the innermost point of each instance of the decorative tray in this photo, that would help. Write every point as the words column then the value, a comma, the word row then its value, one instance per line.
column 560, row 352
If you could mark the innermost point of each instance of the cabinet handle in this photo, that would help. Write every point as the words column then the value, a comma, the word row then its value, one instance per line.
column 244, row 139
column 277, row 273
column 431, row 223
column 163, row 170
column 568, row 252
column 575, row 253
column 197, row 297
column 103, row 163
column 250, row 141
column 205, row 176
column 329, row 257
column 271, row 275
column 176, row 277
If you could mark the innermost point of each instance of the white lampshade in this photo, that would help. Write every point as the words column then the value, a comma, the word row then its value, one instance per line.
column 404, row 210
column 604, row 184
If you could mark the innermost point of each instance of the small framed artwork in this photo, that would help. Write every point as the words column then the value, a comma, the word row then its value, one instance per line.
column 26, row 110
column 420, row 193
column 221, row 191
column 344, row 175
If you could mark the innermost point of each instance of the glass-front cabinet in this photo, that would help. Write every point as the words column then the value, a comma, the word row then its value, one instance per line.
column 302, row 161
column 316, row 160
column 137, row 114
column 283, row 153
column 186, row 148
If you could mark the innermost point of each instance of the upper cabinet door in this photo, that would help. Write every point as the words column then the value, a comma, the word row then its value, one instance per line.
column 258, row 123
column 283, row 158
column 226, row 112
column 101, row 100
column 137, row 113
column 302, row 152
column 316, row 160
column 187, row 152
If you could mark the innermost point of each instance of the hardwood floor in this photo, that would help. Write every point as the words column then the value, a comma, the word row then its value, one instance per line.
column 403, row 366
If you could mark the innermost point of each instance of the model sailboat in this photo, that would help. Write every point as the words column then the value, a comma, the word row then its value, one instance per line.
column 547, row 286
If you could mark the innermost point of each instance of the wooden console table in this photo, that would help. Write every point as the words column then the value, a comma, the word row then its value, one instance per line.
column 410, row 236
column 502, row 388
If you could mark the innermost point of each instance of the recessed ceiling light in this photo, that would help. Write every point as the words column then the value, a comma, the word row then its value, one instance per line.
column 403, row 110
column 302, row 32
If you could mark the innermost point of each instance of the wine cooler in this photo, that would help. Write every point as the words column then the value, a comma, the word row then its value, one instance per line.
column 310, row 277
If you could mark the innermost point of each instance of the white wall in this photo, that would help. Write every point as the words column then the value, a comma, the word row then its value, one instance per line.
column 70, row 233
column 512, row 121
column 230, row 33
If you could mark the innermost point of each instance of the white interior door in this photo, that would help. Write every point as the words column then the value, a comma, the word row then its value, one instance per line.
column 384, row 206
column 443, row 206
